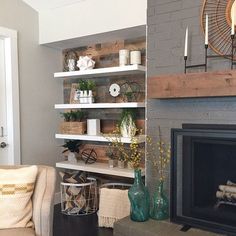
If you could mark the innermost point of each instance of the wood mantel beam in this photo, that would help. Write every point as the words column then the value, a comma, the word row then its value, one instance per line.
column 191, row 85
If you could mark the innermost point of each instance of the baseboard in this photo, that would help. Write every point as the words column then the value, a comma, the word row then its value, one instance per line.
column 57, row 198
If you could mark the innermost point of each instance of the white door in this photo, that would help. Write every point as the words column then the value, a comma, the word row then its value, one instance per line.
column 9, row 99
column 3, row 108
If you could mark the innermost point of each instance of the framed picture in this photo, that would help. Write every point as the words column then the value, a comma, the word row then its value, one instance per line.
column 73, row 94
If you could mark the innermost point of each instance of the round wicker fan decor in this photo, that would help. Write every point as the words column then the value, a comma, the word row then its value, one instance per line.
column 219, row 13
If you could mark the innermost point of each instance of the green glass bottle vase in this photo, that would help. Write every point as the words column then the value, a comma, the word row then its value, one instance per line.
column 160, row 203
column 139, row 199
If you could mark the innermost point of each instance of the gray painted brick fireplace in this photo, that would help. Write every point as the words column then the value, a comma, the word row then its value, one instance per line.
column 167, row 21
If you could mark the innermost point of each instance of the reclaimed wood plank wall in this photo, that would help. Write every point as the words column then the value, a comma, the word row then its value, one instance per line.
column 107, row 55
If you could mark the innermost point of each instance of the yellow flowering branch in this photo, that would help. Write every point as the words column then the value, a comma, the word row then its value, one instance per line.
column 159, row 154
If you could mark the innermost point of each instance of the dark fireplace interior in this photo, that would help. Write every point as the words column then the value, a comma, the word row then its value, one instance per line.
column 204, row 177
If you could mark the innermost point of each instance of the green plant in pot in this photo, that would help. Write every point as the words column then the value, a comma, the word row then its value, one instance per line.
column 73, row 122
column 83, row 85
column 66, row 116
column 91, row 85
column 73, row 149
column 111, row 154
column 127, row 125
column 121, row 160
column 86, row 91
column 73, row 116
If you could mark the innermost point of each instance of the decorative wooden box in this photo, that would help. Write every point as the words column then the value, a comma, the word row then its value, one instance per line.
column 73, row 127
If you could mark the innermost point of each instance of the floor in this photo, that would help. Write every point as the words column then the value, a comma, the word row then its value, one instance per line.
column 64, row 225
column 126, row 227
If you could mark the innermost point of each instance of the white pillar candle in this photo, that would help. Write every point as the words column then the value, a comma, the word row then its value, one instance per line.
column 186, row 43
column 135, row 57
column 233, row 20
column 206, row 30
column 124, row 57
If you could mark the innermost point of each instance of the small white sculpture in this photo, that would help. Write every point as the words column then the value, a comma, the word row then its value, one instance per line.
column 85, row 63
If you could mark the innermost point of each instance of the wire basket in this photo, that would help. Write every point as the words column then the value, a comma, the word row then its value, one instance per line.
column 79, row 199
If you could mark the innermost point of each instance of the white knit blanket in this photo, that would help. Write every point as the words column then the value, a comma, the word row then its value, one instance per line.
column 114, row 205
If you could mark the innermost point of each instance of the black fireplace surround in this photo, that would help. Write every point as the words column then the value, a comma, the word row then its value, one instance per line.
column 203, row 162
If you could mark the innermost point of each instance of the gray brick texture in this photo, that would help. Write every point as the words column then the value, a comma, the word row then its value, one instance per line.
column 167, row 21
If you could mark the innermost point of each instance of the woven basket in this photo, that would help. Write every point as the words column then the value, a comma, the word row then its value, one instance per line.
column 73, row 127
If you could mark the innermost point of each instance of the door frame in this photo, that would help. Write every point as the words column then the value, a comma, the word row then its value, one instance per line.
column 12, row 94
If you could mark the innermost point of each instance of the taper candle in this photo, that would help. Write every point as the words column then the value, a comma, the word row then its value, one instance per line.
column 206, row 30
column 186, row 43
column 233, row 20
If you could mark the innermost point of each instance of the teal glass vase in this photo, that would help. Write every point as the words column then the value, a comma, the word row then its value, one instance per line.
column 139, row 199
column 160, row 203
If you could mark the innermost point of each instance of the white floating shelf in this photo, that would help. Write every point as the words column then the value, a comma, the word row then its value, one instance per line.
column 101, row 105
column 101, row 72
column 140, row 138
column 101, row 168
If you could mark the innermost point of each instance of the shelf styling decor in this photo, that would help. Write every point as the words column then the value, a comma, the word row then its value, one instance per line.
column 219, row 15
column 124, row 57
column 139, row 199
column 121, row 161
column 89, row 156
column 111, row 154
column 130, row 91
column 72, row 148
column 73, row 123
column 78, row 194
column 159, row 155
column 69, row 60
column 93, row 127
column 86, row 92
column 85, row 63
column 127, row 125
column 135, row 57
column 138, row 192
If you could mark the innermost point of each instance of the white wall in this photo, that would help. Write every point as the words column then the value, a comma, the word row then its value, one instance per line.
column 38, row 89
column 90, row 17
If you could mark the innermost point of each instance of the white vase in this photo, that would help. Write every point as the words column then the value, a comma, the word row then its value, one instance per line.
column 93, row 127
column 72, row 157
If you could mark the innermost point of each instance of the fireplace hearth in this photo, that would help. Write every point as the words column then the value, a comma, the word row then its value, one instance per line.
column 203, row 177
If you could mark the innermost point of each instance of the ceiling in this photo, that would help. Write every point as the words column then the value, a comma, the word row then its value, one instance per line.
column 123, row 34
column 41, row 5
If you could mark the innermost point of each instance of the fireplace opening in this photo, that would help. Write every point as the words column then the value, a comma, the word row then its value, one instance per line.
column 203, row 177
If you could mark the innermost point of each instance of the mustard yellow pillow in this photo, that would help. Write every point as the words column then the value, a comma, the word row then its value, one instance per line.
column 16, row 189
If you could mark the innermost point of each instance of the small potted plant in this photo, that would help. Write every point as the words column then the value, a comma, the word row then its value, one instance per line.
column 111, row 154
column 121, row 160
column 73, row 122
column 86, row 89
column 73, row 149
column 127, row 123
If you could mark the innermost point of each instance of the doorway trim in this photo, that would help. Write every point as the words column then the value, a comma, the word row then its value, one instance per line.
column 12, row 94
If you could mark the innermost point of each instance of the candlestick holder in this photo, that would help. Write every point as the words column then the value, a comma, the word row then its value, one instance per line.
column 232, row 51
column 197, row 65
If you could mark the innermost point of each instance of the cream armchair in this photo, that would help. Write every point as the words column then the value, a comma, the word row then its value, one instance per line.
column 43, row 198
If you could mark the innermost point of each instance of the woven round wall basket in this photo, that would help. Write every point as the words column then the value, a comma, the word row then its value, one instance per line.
column 219, row 13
